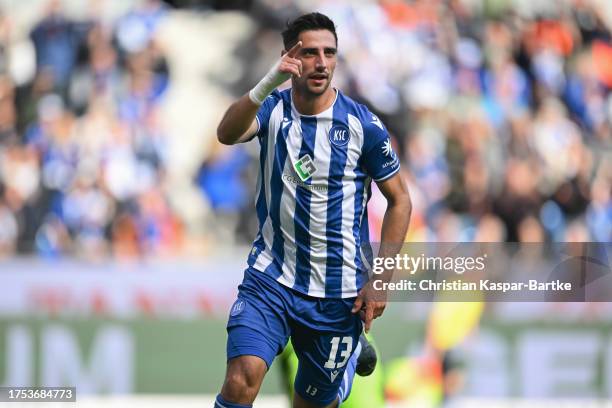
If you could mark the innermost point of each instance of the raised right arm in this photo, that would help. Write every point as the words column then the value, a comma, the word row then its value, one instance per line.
column 238, row 124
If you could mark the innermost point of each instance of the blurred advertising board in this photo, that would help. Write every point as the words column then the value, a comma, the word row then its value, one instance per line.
column 160, row 328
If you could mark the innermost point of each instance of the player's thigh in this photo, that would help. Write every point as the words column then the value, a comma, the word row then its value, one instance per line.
column 250, row 352
column 323, row 358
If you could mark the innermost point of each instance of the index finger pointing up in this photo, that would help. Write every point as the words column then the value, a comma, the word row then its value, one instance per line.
column 294, row 50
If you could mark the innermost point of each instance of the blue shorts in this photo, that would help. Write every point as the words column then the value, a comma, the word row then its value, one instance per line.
column 324, row 332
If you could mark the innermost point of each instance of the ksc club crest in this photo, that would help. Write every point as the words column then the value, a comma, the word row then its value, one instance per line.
column 339, row 135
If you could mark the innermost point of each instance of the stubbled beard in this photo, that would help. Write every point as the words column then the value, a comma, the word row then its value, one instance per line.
column 305, row 89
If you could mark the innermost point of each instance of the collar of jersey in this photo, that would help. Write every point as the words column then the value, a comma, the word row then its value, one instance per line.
column 294, row 108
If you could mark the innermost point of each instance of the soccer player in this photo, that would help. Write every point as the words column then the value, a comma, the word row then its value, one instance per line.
column 307, row 276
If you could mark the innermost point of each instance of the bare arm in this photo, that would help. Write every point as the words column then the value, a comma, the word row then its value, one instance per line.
column 371, row 303
column 397, row 216
column 238, row 124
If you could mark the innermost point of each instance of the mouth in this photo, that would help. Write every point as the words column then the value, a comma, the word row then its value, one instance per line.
column 318, row 79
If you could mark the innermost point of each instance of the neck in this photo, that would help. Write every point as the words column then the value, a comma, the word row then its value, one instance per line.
column 313, row 104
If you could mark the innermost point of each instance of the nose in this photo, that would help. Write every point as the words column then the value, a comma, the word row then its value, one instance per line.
column 321, row 63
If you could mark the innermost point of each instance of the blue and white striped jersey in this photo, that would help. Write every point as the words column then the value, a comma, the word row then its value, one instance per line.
column 313, row 187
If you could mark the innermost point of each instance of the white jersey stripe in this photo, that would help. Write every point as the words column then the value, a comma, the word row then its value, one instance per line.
column 294, row 138
column 276, row 117
column 318, row 208
column 349, row 269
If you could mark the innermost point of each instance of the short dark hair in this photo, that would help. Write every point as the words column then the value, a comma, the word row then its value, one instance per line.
column 306, row 22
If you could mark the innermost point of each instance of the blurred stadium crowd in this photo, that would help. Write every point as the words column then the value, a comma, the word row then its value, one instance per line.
column 501, row 111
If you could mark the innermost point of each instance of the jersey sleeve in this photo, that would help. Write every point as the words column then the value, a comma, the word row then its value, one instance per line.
column 378, row 158
column 264, row 112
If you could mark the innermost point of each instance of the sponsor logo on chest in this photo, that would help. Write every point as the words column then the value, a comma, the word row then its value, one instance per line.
column 305, row 167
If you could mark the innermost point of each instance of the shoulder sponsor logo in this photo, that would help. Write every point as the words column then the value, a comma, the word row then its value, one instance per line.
column 387, row 149
column 392, row 163
column 339, row 135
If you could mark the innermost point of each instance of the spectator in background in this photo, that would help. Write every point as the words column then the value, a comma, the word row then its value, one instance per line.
column 8, row 113
column 221, row 179
column 8, row 231
column 502, row 117
column 57, row 41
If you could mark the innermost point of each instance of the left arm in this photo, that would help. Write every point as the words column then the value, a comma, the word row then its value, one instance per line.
column 369, row 302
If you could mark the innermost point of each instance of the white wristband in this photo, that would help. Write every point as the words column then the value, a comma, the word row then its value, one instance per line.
column 268, row 83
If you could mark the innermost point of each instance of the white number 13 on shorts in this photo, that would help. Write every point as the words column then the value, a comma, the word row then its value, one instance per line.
column 344, row 354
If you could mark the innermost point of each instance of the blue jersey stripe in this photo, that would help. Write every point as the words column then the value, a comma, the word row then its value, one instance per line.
column 276, row 187
column 335, row 241
column 364, row 233
column 359, row 191
column 260, row 205
column 302, row 210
